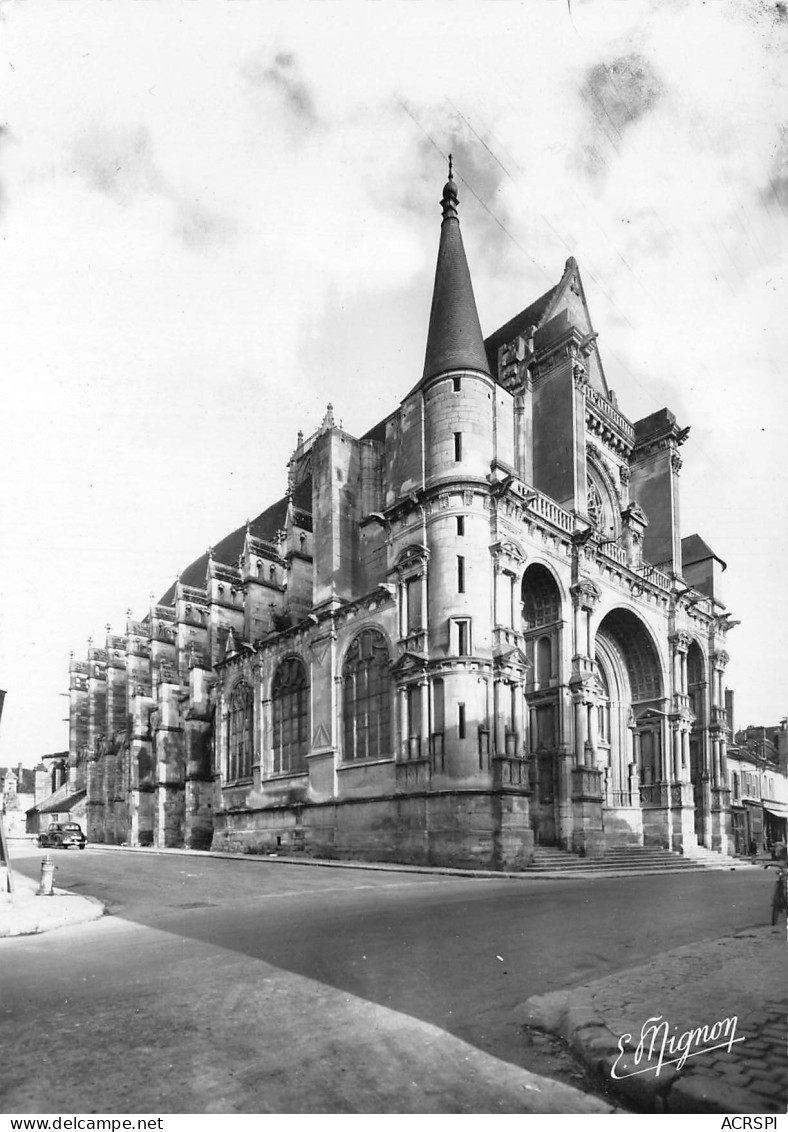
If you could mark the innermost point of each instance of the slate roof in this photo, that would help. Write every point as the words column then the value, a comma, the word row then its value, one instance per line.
column 229, row 549
column 25, row 778
column 454, row 338
column 694, row 549
column 56, row 805
column 531, row 316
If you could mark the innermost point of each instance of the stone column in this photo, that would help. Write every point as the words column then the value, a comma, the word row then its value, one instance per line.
column 585, row 595
column 518, row 718
column 403, row 722
column 677, row 776
column 581, row 721
column 425, row 717
column 500, row 721
column 593, row 732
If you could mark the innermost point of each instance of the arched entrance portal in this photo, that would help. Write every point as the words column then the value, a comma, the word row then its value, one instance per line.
column 627, row 723
column 541, row 627
column 697, row 684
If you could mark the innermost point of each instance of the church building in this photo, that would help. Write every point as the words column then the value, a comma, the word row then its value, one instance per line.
column 474, row 630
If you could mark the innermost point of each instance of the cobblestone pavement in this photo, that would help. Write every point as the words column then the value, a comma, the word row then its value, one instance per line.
column 743, row 978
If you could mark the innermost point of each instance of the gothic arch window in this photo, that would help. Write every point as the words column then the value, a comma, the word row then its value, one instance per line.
column 596, row 507
column 366, row 706
column 603, row 705
column 602, row 502
column 290, row 712
column 240, row 731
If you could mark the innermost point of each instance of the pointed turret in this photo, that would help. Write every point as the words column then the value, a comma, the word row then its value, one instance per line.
column 454, row 340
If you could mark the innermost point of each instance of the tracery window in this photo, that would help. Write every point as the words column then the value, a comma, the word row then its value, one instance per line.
column 290, row 711
column 595, row 504
column 240, row 731
column 366, row 708
column 602, row 503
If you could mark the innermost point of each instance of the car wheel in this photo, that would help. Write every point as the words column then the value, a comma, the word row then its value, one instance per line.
column 82, row 846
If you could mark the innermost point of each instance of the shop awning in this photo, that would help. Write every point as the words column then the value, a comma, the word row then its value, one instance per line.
column 776, row 809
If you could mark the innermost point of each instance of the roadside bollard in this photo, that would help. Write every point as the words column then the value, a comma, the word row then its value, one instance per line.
column 47, row 883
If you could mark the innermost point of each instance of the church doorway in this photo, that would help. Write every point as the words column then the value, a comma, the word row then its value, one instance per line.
column 626, row 725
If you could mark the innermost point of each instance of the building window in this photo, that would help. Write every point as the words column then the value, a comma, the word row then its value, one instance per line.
column 457, row 446
column 460, row 636
column 290, row 710
column 460, row 721
column 735, row 786
column 240, row 732
column 545, row 726
column 460, row 526
column 457, row 384
column 595, row 505
column 460, row 574
column 367, row 698
column 438, row 706
column 544, row 660
column 541, row 598
column 413, row 603
column 413, row 737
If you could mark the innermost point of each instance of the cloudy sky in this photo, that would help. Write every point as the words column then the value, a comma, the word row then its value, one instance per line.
column 218, row 215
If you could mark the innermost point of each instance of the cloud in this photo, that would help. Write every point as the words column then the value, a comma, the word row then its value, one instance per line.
column 120, row 164
column 198, row 228
column 5, row 134
column 778, row 180
column 117, row 162
column 280, row 76
column 617, row 96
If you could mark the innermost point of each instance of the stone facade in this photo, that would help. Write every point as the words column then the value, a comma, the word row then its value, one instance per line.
column 758, row 769
column 20, row 789
column 462, row 634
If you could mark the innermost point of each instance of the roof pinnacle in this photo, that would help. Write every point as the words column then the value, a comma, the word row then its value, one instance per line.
column 454, row 338
column 450, row 199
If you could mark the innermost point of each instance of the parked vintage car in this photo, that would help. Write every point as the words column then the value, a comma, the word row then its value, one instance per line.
column 62, row 835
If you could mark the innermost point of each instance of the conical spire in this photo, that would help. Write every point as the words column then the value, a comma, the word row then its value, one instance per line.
column 454, row 340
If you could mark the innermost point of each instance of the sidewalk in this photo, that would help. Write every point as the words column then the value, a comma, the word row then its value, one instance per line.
column 742, row 977
column 23, row 912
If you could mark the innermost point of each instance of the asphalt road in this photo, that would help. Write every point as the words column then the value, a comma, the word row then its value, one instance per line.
column 458, row 954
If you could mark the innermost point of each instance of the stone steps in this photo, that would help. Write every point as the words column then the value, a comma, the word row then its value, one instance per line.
column 623, row 859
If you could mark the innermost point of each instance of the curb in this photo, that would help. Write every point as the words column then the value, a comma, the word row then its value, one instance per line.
column 26, row 913
column 586, row 873
column 572, row 1015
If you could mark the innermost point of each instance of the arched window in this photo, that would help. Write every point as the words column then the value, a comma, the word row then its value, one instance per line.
column 541, row 598
column 602, row 502
column 366, row 706
column 240, row 731
column 595, row 505
column 290, row 710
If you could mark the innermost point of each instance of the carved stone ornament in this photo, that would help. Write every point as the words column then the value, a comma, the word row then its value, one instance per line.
column 507, row 556
column 681, row 641
column 720, row 659
column 625, row 475
column 675, row 462
column 585, row 594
